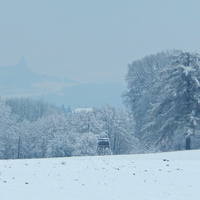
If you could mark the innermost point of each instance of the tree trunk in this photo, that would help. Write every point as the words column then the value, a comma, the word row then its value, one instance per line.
column 19, row 148
column 188, row 141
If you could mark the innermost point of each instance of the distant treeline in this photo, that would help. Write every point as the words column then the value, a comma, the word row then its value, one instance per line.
column 36, row 129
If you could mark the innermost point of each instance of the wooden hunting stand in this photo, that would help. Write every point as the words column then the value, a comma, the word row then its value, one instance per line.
column 104, row 146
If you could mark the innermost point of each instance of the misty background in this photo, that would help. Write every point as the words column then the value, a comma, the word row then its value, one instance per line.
column 76, row 52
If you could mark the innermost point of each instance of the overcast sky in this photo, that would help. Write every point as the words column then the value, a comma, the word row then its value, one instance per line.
column 94, row 40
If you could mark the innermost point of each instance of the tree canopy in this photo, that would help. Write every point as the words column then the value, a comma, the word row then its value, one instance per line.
column 164, row 95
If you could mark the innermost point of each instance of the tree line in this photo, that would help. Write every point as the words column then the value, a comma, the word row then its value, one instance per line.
column 36, row 129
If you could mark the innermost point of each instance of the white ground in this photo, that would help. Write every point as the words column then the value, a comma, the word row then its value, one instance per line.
column 165, row 176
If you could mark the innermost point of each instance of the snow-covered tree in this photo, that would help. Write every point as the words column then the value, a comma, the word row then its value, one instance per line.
column 85, row 121
column 86, row 145
column 31, row 110
column 176, row 110
column 142, row 77
column 8, row 132
column 123, row 131
column 105, row 115
column 50, row 133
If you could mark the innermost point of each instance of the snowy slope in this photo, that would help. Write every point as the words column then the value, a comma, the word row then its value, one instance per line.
column 163, row 176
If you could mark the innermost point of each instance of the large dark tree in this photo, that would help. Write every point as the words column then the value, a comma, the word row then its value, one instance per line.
column 142, row 78
column 163, row 95
column 176, row 110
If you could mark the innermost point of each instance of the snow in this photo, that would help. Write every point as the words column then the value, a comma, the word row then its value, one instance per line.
column 163, row 176
column 187, row 69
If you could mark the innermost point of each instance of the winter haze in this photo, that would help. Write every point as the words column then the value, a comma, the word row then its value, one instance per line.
column 20, row 81
column 85, row 83
column 76, row 52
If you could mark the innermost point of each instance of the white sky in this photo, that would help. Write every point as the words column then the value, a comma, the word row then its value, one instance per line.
column 94, row 40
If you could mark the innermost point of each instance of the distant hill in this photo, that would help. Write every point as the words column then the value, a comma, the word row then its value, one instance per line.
column 19, row 80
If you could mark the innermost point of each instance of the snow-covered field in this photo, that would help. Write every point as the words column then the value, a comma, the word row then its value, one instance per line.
column 169, row 176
